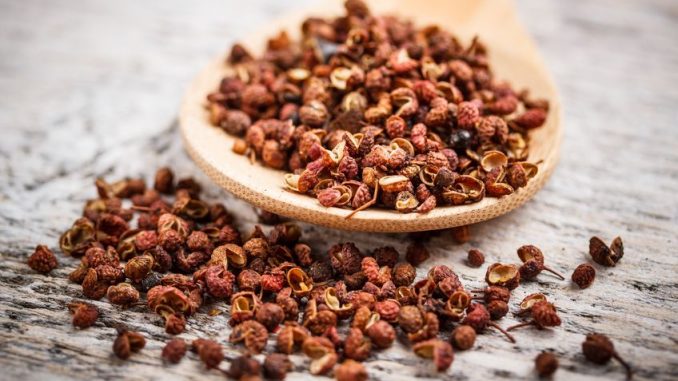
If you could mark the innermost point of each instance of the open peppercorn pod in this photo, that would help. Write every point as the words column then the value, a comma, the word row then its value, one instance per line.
column 512, row 57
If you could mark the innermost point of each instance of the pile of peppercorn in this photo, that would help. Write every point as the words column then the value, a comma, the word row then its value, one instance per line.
column 137, row 247
column 368, row 110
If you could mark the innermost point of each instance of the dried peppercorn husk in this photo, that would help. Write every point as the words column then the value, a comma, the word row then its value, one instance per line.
column 599, row 349
column 546, row 364
column 533, row 262
column 478, row 318
column 270, row 315
column 76, row 240
column 174, row 350
column 356, row 345
column 244, row 367
column 350, row 370
column 128, row 342
column 42, row 260
column 290, row 337
column 209, row 351
column 529, row 301
column 252, row 333
column 461, row 234
column 543, row 314
column 463, row 337
column 381, row 334
column 440, row 351
column 84, row 314
column 476, row 258
column 606, row 255
column 504, row 275
column 376, row 293
column 322, row 353
column 584, row 275
column 276, row 366
column 122, row 294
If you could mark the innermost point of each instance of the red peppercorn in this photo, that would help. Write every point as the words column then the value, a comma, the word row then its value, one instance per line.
column 42, row 260
column 174, row 350
column 476, row 258
column 584, row 275
column 84, row 314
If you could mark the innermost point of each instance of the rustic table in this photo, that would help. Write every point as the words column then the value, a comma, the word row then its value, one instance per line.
column 92, row 89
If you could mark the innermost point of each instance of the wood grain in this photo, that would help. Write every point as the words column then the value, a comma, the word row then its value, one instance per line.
column 92, row 89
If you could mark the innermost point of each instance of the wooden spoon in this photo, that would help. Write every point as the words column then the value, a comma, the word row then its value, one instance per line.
column 513, row 57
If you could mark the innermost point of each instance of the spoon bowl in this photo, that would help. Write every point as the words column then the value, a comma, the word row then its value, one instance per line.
column 512, row 56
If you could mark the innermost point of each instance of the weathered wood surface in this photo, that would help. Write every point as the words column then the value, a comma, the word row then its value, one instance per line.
column 92, row 89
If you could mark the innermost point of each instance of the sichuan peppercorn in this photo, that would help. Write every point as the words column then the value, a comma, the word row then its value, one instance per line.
column 42, row 260
column 350, row 370
column 174, row 350
column 546, row 364
column 210, row 352
column 599, row 349
column 416, row 254
column 243, row 367
column 463, row 337
column 84, row 314
column 276, row 366
column 128, row 342
column 476, row 258
column 584, row 275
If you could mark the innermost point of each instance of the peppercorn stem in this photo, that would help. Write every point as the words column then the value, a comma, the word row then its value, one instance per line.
column 367, row 204
column 531, row 322
column 554, row 273
column 140, row 208
column 627, row 366
column 502, row 330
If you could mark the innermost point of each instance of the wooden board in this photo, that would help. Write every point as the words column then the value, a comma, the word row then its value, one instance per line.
column 93, row 88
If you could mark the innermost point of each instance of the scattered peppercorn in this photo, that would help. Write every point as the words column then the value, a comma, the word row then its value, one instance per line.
column 440, row 351
column 42, row 260
column 128, row 342
column 84, row 314
column 244, row 367
column 463, row 337
column 606, row 255
column 174, row 350
column 381, row 333
column 546, row 364
column 416, row 254
column 497, row 309
column 350, row 370
column 164, row 181
column 252, row 333
column 476, row 258
column 276, row 366
column 503, row 275
column 533, row 262
column 584, row 275
column 543, row 315
column 599, row 349
column 184, row 251
column 270, row 315
column 210, row 352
